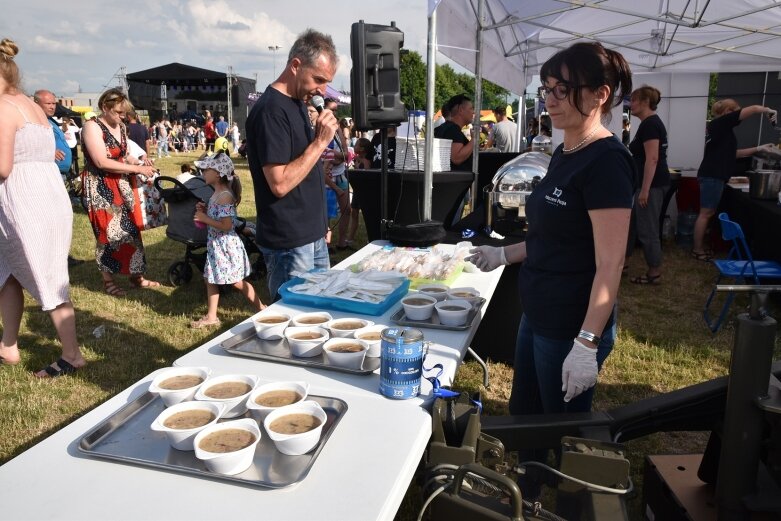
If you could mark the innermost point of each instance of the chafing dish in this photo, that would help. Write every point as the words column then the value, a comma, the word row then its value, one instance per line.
column 505, row 197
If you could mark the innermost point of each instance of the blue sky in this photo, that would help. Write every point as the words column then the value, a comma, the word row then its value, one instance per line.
column 65, row 46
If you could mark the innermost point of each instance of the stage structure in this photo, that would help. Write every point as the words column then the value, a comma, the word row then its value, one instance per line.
column 181, row 91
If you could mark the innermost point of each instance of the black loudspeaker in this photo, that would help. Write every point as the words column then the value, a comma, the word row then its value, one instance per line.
column 374, row 78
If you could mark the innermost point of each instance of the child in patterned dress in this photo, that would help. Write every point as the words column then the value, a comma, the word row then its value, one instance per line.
column 226, row 258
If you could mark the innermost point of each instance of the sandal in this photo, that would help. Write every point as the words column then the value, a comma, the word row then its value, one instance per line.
column 203, row 322
column 645, row 279
column 59, row 368
column 705, row 256
column 111, row 288
column 140, row 282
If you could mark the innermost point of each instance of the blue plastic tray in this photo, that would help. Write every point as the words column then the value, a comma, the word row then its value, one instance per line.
column 340, row 304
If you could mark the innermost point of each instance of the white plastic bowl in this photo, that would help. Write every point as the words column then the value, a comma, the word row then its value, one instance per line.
column 307, row 319
column 235, row 406
column 259, row 412
column 438, row 291
column 306, row 348
column 182, row 439
column 271, row 330
column 348, row 359
column 418, row 306
column 173, row 396
column 469, row 294
column 340, row 332
column 228, row 463
column 373, row 347
column 453, row 317
column 296, row 444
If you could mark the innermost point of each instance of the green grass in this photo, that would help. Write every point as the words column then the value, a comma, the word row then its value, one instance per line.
column 662, row 344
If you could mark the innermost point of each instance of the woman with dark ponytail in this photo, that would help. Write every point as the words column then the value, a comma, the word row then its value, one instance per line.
column 649, row 148
column 578, row 218
column 578, row 221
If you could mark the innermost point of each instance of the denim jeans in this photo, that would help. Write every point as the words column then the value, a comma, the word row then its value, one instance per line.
column 281, row 263
column 537, row 373
column 537, row 386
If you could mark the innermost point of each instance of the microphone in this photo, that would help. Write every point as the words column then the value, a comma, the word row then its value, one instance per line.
column 319, row 103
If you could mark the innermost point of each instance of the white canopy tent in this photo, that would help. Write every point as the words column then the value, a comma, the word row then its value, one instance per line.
column 506, row 42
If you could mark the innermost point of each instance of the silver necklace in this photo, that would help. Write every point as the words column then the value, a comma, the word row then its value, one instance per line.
column 583, row 142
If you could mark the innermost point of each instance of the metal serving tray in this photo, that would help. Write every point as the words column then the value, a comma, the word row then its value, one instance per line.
column 247, row 343
column 126, row 436
column 400, row 318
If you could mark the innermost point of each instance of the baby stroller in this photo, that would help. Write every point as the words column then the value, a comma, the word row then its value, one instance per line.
column 181, row 200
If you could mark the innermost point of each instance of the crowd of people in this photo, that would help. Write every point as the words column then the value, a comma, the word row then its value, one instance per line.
column 572, row 260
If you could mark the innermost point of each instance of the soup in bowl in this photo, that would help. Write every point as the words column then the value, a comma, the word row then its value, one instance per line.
column 306, row 341
column 345, row 327
column 296, row 429
column 418, row 306
column 345, row 352
column 471, row 295
column 229, row 390
column 178, row 384
column 371, row 337
column 229, row 447
column 183, row 421
column 316, row 318
column 270, row 325
column 438, row 291
column 271, row 396
column 453, row 312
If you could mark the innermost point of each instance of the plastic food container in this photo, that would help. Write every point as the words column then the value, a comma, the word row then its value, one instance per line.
column 173, row 396
column 336, row 352
column 271, row 325
column 306, row 347
column 228, row 463
column 296, row 444
column 182, row 439
column 234, row 406
column 259, row 412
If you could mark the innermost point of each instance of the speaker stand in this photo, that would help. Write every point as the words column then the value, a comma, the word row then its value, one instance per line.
column 384, row 182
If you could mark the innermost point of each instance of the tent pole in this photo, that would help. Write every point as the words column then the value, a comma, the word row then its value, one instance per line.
column 478, row 99
column 431, row 73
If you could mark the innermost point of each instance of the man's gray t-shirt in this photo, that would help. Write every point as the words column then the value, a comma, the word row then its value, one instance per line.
column 504, row 135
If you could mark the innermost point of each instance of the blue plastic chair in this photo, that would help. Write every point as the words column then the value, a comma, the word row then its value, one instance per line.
column 740, row 266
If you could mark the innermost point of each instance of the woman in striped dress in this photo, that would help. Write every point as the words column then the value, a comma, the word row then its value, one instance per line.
column 35, row 222
column 109, row 195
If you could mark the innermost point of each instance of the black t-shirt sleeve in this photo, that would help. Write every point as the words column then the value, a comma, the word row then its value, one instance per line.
column 653, row 131
column 609, row 183
column 454, row 133
column 274, row 129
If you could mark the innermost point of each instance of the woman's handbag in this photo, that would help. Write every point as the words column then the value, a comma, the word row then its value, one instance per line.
column 153, row 212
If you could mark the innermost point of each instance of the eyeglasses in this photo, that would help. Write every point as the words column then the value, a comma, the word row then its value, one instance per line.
column 560, row 91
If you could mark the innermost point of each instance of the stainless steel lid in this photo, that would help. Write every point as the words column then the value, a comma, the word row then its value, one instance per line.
column 515, row 180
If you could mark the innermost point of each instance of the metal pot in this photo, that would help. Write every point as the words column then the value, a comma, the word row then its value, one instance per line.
column 764, row 184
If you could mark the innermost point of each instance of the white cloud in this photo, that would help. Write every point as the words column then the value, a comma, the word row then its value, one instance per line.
column 63, row 46
column 69, row 86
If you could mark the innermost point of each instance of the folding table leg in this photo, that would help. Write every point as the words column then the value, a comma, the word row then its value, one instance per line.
column 482, row 364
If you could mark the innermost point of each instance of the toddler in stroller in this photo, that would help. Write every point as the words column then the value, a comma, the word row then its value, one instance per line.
column 181, row 198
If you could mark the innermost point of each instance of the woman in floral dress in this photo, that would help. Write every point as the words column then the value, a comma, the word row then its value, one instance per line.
column 109, row 195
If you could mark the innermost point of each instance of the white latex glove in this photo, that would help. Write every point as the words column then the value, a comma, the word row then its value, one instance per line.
column 487, row 258
column 579, row 371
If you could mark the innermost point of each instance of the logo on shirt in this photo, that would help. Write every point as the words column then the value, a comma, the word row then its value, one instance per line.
column 555, row 198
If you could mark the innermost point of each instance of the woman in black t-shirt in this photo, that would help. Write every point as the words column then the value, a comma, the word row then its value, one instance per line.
column 649, row 149
column 718, row 162
column 578, row 222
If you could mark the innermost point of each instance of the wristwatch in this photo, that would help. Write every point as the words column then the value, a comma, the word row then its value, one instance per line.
column 589, row 336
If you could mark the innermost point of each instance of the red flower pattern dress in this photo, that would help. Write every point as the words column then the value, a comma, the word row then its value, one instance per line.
column 114, row 211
